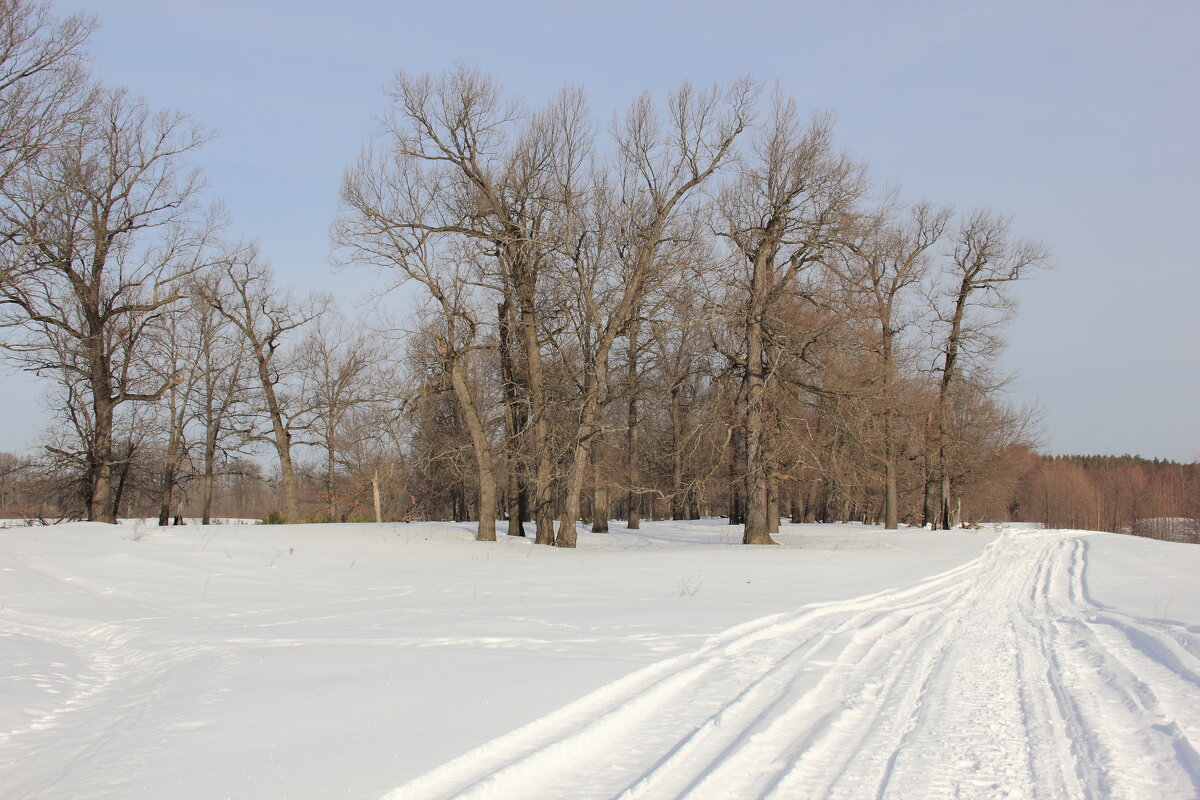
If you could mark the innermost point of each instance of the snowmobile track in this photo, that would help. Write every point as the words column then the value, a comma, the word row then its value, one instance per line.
column 1000, row 678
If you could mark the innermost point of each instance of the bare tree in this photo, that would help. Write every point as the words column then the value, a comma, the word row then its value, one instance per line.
column 516, row 490
column 974, row 301
column 266, row 318
column 661, row 165
column 341, row 368
column 539, row 258
column 102, row 232
column 43, row 83
column 887, row 259
column 633, row 382
column 782, row 216
column 493, row 164
column 390, row 204
column 180, row 359
column 222, row 385
column 678, row 344
column 372, row 451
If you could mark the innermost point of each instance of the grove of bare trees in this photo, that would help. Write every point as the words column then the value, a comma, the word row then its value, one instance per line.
column 703, row 307
column 828, row 331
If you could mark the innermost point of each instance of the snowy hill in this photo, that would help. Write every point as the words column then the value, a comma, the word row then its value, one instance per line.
column 408, row 661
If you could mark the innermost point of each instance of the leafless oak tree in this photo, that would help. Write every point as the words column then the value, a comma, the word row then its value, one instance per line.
column 480, row 165
column 782, row 216
column 342, row 369
column 661, row 164
column 267, row 318
column 974, row 300
column 43, row 83
column 222, row 387
column 389, row 219
column 888, row 256
column 102, row 231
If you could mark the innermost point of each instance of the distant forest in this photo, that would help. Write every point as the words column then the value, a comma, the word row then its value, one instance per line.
column 1123, row 494
column 704, row 308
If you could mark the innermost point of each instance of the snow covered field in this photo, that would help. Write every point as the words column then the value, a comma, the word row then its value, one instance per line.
column 407, row 661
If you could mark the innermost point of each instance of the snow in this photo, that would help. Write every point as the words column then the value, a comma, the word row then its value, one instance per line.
column 408, row 661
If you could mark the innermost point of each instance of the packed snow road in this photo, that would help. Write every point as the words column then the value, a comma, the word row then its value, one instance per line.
column 998, row 679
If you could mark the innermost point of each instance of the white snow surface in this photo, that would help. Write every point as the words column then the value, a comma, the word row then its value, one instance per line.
column 410, row 662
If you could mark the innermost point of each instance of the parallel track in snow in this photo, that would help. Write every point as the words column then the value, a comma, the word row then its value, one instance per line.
column 1000, row 678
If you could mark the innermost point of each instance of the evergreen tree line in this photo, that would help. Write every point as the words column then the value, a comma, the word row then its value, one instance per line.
column 702, row 308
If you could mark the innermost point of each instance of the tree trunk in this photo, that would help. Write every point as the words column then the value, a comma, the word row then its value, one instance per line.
column 291, row 504
column 567, row 531
column 120, row 478
column 515, row 500
column 772, row 506
column 484, row 460
column 515, row 494
column 375, row 496
column 101, row 505
column 458, row 504
column 890, row 495
column 927, row 513
column 210, row 457
column 599, row 489
column 583, row 444
column 676, row 414
column 736, row 511
column 634, row 512
column 168, row 474
column 283, row 443
column 944, row 514
column 214, row 418
column 330, row 474
column 891, row 519
column 943, row 520
column 177, row 406
column 756, row 531
column 168, row 486
column 949, row 374
column 539, row 444
column 595, row 385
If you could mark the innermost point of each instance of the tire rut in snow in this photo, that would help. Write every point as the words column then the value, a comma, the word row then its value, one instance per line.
column 659, row 732
column 1131, row 698
column 997, row 679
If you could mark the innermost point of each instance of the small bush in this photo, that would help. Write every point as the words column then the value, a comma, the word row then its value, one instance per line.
column 274, row 518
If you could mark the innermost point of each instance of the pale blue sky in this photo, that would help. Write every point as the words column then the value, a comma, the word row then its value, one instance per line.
column 1077, row 117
